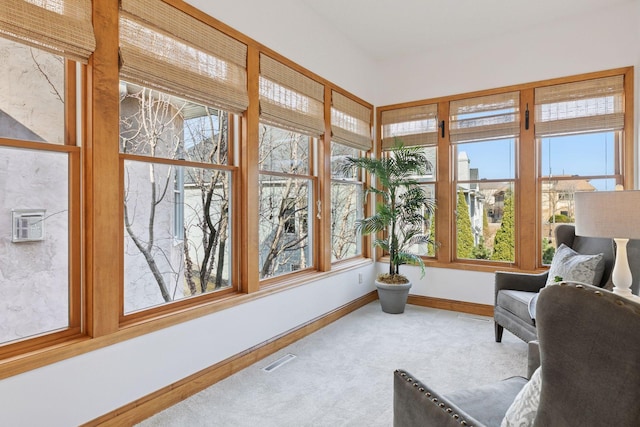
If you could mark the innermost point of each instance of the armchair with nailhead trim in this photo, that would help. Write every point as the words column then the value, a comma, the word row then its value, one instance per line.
column 589, row 353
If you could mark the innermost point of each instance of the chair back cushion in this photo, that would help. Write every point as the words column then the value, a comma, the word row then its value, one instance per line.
column 590, row 357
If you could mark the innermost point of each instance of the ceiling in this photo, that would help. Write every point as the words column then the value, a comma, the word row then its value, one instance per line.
column 390, row 28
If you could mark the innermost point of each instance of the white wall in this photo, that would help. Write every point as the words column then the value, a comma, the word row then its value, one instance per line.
column 84, row 387
column 77, row 390
column 591, row 42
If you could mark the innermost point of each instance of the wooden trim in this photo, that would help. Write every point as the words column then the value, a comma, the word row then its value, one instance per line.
column 70, row 102
column 323, row 223
column 103, row 232
column 249, row 204
column 76, row 303
column 628, row 150
column 445, row 195
column 526, row 208
column 143, row 408
column 451, row 305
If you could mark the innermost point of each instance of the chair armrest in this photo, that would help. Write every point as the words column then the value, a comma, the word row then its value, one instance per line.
column 416, row 404
column 529, row 282
column 533, row 357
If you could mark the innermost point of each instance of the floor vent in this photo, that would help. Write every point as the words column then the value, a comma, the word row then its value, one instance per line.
column 275, row 365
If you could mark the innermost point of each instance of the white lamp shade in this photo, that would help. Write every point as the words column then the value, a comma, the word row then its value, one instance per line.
column 611, row 214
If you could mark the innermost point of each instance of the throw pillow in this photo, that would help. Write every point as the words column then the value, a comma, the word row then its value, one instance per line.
column 574, row 267
column 522, row 411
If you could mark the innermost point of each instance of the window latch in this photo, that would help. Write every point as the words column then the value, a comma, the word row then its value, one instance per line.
column 441, row 126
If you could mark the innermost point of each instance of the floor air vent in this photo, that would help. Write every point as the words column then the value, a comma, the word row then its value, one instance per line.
column 275, row 365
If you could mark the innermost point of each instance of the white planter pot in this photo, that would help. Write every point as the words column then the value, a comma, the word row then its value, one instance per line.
column 393, row 298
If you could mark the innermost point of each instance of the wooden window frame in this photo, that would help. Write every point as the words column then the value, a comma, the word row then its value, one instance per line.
column 528, row 256
column 73, row 150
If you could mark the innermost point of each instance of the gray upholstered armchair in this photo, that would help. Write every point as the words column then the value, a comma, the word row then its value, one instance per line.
column 514, row 291
column 589, row 347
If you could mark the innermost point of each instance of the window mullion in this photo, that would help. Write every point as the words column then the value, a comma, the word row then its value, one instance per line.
column 526, row 200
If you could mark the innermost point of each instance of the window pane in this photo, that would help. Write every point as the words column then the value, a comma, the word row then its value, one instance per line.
column 597, row 155
column 339, row 153
column 486, row 160
column 283, row 151
column 558, row 206
column 31, row 94
column 346, row 204
column 485, row 221
column 346, row 208
column 34, row 283
column 285, row 225
column 429, row 226
column 562, row 169
column 431, row 155
column 177, row 245
column 159, row 125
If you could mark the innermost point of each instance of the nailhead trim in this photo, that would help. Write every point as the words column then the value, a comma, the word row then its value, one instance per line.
column 435, row 400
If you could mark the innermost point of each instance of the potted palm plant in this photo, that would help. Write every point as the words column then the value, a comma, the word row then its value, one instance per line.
column 401, row 218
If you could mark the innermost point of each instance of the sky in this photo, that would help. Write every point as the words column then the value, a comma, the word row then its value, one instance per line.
column 584, row 154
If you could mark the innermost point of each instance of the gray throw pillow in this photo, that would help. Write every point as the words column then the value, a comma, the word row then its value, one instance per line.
column 574, row 267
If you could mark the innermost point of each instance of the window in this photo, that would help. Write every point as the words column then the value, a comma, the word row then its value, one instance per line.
column 511, row 162
column 585, row 117
column 40, row 154
column 346, row 205
column 351, row 137
column 177, row 247
column 417, row 126
column 292, row 118
column 181, row 82
column 286, row 194
column 484, row 133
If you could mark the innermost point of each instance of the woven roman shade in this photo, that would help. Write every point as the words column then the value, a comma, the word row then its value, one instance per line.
column 62, row 27
column 485, row 117
column 587, row 106
column 414, row 126
column 168, row 50
column 350, row 122
column 289, row 99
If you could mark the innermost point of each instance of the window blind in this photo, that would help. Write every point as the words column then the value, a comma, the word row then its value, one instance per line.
column 289, row 99
column 168, row 50
column 587, row 106
column 350, row 122
column 414, row 126
column 485, row 117
column 62, row 27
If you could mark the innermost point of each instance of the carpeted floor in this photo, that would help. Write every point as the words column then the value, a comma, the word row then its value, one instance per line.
column 342, row 375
